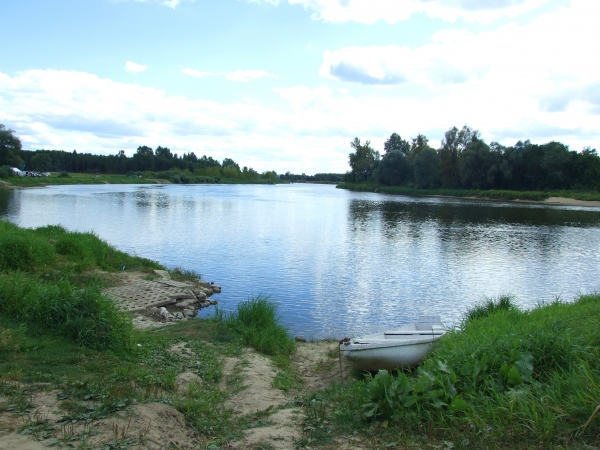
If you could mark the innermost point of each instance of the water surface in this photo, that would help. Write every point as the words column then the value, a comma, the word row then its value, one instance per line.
column 338, row 263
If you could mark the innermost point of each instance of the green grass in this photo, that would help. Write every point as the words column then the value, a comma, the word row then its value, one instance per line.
column 490, row 194
column 53, row 251
column 39, row 274
column 529, row 378
column 256, row 321
column 171, row 176
column 77, row 178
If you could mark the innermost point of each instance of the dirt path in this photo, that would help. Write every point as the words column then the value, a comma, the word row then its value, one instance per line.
column 278, row 418
column 284, row 426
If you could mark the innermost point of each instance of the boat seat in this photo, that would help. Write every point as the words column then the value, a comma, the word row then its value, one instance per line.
column 428, row 332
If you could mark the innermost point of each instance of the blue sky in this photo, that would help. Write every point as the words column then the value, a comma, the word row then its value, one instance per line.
column 287, row 84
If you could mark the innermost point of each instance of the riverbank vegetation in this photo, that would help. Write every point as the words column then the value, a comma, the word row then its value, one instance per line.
column 507, row 377
column 465, row 165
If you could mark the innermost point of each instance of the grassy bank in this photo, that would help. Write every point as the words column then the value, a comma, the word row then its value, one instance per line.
column 491, row 194
column 76, row 178
column 173, row 177
column 508, row 378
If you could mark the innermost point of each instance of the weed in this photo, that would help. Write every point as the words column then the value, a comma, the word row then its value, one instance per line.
column 37, row 425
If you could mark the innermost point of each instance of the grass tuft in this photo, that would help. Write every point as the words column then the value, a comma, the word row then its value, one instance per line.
column 257, row 322
column 490, row 306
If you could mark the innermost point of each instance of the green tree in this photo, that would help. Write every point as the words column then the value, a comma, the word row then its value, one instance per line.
column 454, row 143
column 363, row 160
column 41, row 162
column 228, row 162
column 426, row 168
column 163, row 152
column 418, row 144
column 10, row 148
column 393, row 170
column 396, row 144
column 477, row 166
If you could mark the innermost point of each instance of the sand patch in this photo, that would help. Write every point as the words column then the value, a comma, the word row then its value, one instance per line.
column 259, row 394
column 153, row 426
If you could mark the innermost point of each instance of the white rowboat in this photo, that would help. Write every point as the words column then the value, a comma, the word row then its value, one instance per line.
column 397, row 349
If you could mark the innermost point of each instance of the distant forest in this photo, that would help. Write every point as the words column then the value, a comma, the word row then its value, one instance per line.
column 145, row 159
column 465, row 161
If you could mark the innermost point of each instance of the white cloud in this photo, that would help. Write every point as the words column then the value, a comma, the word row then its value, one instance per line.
column 537, row 81
column 393, row 11
column 76, row 110
column 196, row 73
column 247, row 75
column 242, row 76
column 170, row 3
column 130, row 66
column 532, row 60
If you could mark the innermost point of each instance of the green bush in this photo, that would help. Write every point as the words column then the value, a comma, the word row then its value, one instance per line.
column 6, row 172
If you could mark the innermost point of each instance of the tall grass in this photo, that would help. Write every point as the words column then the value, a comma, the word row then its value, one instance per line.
column 257, row 322
column 80, row 314
column 36, row 268
column 490, row 306
column 20, row 250
column 53, row 247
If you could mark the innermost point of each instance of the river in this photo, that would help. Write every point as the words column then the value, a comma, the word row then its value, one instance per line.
column 337, row 263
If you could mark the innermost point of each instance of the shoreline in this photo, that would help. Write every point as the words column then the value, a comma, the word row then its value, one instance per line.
column 552, row 201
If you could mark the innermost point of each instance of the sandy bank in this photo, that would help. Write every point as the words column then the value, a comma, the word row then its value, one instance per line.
column 570, row 202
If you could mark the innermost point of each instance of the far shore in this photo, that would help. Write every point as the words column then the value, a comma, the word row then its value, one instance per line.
column 558, row 201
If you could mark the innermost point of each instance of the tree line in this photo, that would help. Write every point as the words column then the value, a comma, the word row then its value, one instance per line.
column 464, row 160
column 145, row 159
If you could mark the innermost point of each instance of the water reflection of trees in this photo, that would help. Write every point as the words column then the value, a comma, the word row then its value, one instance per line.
column 4, row 201
column 464, row 226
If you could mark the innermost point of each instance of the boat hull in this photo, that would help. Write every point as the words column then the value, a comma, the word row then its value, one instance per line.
column 404, row 348
column 393, row 357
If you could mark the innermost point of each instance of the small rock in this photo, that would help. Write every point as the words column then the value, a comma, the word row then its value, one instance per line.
column 216, row 289
column 178, row 315
column 163, row 313
column 300, row 339
column 188, row 313
column 204, row 284
column 163, row 274
column 213, row 302
column 205, row 304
